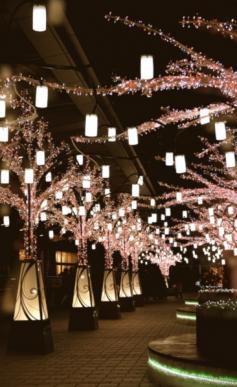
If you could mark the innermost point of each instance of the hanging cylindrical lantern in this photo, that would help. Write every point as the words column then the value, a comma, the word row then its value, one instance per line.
column 6, row 220
column 134, row 204
column 86, row 181
column 4, row 134
column 169, row 159
column 88, row 197
column 41, row 96
column 79, row 159
column 2, row 108
column 29, row 176
column 82, row 211
column 220, row 131
column 167, row 212
column 48, row 177
column 43, row 216
column 135, row 190
column 146, row 67
column 5, row 176
column 179, row 196
column 230, row 159
column 91, row 125
column 40, row 157
column 204, row 116
column 180, row 164
column 132, row 136
column 111, row 134
column 105, row 171
column 39, row 18
column 51, row 234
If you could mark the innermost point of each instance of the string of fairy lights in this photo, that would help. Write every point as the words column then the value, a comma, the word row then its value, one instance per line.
column 79, row 196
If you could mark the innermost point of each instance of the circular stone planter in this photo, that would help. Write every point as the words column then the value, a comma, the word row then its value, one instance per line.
column 175, row 362
column 216, row 329
column 186, row 314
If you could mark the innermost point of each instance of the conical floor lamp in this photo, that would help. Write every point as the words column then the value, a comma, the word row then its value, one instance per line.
column 109, row 306
column 83, row 314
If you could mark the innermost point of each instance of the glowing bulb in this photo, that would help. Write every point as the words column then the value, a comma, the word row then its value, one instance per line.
column 146, row 67
column 41, row 97
column 39, row 18
column 82, row 211
column 91, row 125
column 132, row 136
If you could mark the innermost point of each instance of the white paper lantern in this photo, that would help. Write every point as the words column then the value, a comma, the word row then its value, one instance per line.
column 51, row 234
column 169, row 159
column 6, row 221
column 91, row 125
column 135, row 190
column 230, row 210
column 4, row 134
column 146, row 67
column 167, row 212
column 86, row 181
column 41, row 97
column 105, row 171
column 58, row 195
column 107, row 192
column 162, row 217
column 140, row 180
column 184, row 214
column 132, row 136
column 220, row 131
column 88, row 197
column 80, row 159
column 180, row 164
column 200, row 200
column 211, row 211
column 5, row 176
column 82, row 211
column 152, row 202
column 40, row 158
column 66, row 210
column 204, row 116
column 235, row 251
column 111, row 134
column 29, row 176
column 154, row 217
column 48, row 177
column 39, row 18
column 230, row 159
column 121, row 212
column 179, row 196
column 2, row 108
column 43, row 216
column 134, row 204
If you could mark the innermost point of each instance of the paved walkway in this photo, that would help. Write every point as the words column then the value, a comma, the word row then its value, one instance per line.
column 115, row 355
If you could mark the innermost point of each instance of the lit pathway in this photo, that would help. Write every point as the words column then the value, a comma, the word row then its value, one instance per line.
column 115, row 355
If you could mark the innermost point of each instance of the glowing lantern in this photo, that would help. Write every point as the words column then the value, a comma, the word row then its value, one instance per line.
column 39, row 18
column 132, row 136
column 91, row 125
column 41, row 97
column 169, row 159
column 111, row 134
column 5, row 176
column 29, row 176
column 146, row 67
column 204, row 116
column 180, row 164
column 135, row 190
column 230, row 159
column 220, row 131
column 105, row 171
column 40, row 157
column 4, row 134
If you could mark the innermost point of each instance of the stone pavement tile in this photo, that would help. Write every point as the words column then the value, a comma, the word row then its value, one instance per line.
column 115, row 354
